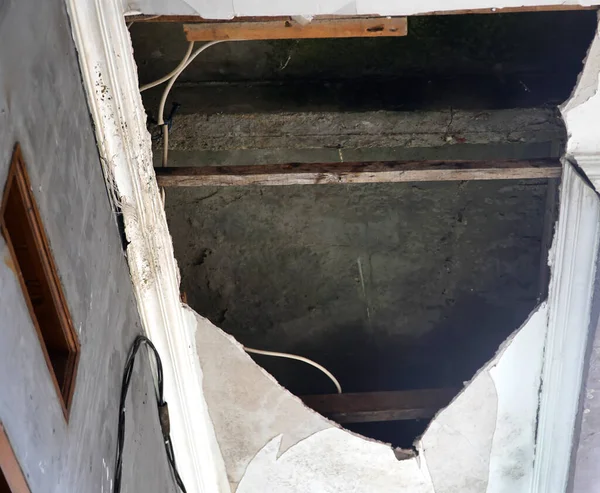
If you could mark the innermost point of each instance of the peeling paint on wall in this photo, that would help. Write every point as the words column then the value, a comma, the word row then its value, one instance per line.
column 483, row 441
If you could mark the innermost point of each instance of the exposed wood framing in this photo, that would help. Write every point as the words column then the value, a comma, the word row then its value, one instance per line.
column 376, row 172
column 290, row 29
column 380, row 406
column 505, row 10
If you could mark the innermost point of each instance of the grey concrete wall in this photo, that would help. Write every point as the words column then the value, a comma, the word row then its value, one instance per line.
column 43, row 106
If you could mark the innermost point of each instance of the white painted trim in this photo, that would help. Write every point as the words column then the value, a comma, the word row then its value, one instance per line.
column 573, row 263
column 110, row 78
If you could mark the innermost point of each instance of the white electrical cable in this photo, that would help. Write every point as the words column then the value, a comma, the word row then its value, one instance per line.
column 165, row 78
column 299, row 358
column 129, row 24
column 163, row 99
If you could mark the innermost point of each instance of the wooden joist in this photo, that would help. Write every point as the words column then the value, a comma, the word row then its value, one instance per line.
column 341, row 173
column 380, row 406
column 290, row 29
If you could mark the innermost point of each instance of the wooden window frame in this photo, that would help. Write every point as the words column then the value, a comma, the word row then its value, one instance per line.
column 9, row 466
column 51, row 286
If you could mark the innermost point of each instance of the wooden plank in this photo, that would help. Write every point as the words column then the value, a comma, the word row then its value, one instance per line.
column 290, row 29
column 380, row 406
column 11, row 475
column 340, row 173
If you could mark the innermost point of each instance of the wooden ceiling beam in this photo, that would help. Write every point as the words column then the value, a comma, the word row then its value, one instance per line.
column 290, row 29
column 343, row 173
column 380, row 406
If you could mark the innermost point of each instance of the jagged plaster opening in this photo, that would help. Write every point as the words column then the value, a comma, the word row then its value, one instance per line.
column 582, row 108
column 271, row 442
column 228, row 9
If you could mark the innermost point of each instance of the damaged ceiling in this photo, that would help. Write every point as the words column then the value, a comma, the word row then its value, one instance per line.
column 390, row 286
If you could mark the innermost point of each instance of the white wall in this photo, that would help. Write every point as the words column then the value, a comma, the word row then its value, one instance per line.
column 227, row 9
column 483, row 441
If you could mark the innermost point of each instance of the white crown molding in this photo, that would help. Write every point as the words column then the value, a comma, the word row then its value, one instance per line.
column 110, row 79
column 573, row 262
column 590, row 164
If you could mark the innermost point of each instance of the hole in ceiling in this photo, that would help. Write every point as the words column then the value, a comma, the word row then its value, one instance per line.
column 390, row 286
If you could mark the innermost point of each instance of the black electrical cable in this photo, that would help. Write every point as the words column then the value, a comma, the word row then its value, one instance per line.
column 163, row 412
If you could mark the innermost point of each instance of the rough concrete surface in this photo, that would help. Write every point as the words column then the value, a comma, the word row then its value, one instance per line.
column 390, row 286
column 360, row 130
column 43, row 106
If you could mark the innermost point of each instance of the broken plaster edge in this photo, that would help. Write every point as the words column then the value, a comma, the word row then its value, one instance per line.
column 541, row 309
column 240, row 347
column 307, row 9
column 579, row 113
column 536, row 318
column 110, row 80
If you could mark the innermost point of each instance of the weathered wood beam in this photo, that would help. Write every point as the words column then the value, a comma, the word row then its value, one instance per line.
column 290, row 29
column 373, row 172
column 380, row 406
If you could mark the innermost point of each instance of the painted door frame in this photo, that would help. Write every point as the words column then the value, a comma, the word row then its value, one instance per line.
column 110, row 78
